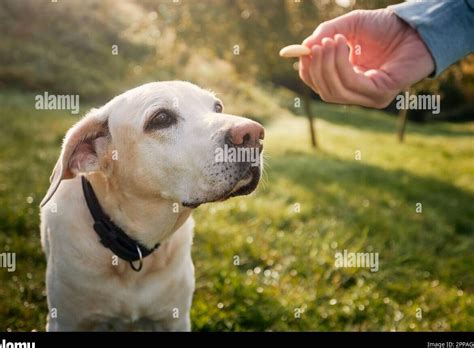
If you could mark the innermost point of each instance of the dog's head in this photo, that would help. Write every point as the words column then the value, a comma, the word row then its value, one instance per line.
column 169, row 139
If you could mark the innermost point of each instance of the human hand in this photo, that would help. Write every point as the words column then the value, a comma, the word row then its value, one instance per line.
column 386, row 55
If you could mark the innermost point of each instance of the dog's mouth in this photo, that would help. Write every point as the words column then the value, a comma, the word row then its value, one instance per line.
column 246, row 185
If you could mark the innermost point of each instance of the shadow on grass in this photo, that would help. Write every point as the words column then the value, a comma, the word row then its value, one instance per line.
column 439, row 240
column 378, row 121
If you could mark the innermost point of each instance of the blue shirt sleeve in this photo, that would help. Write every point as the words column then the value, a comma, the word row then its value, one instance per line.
column 445, row 26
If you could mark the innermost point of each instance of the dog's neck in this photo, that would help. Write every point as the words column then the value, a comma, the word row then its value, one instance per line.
column 149, row 220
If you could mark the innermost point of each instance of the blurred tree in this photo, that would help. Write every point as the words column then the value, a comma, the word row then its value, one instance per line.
column 402, row 120
column 456, row 89
column 66, row 47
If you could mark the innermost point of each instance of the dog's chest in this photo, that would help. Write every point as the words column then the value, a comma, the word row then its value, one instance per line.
column 151, row 302
column 121, row 324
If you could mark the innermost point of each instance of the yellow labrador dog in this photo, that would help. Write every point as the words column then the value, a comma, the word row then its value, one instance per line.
column 116, row 223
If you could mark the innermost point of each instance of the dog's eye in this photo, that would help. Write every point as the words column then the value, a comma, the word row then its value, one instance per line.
column 162, row 119
column 218, row 108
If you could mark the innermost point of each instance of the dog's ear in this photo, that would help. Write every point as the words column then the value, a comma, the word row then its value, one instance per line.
column 82, row 143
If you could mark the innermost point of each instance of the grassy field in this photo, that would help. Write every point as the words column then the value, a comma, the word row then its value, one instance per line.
column 286, row 255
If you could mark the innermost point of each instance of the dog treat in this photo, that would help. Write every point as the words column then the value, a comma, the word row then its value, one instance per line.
column 294, row 51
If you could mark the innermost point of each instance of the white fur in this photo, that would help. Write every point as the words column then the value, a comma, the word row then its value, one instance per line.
column 140, row 179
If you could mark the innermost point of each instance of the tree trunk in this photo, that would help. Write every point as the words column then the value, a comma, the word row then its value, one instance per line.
column 402, row 122
column 309, row 116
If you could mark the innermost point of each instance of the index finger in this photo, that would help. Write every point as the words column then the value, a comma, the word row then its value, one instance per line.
column 340, row 25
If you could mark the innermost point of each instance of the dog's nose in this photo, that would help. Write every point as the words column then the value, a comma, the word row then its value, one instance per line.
column 246, row 134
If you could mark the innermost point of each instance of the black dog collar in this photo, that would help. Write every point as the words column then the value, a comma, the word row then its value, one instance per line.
column 111, row 236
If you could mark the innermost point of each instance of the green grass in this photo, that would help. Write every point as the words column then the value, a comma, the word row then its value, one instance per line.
column 287, row 257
